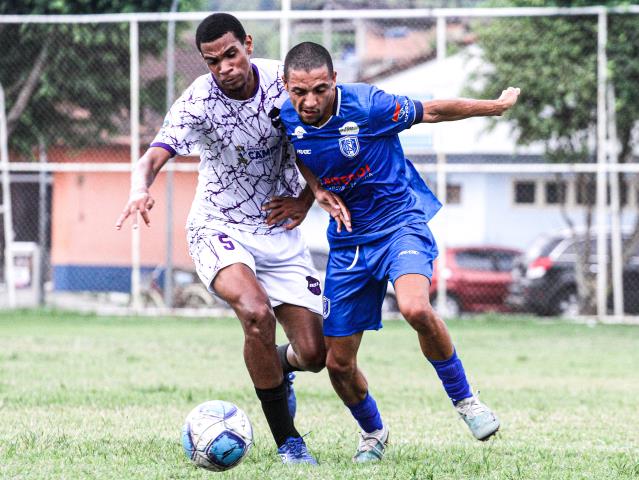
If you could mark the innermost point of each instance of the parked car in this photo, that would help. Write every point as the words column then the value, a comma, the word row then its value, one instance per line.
column 477, row 279
column 544, row 280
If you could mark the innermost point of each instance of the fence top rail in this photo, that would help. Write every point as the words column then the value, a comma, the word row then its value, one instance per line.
column 323, row 14
column 422, row 167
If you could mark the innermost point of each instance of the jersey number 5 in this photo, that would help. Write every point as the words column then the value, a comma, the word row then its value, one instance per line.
column 226, row 242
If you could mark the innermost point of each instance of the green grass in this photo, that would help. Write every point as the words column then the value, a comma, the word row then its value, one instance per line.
column 89, row 397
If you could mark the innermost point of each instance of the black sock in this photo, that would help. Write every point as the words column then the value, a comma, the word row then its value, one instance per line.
column 275, row 407
column 286, row 365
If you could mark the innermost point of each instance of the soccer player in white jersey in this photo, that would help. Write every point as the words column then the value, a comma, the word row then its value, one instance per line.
column 346, row 136
column 242, row 246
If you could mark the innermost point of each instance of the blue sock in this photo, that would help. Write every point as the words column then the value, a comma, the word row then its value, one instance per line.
column 366, row 414
column 451, row 373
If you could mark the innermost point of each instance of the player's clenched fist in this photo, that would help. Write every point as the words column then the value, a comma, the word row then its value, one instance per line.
column 141, row 202
column 509, row 97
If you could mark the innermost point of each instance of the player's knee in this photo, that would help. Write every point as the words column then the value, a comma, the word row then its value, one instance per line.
column 257, row 319
column 312, row 357
column 420, row 315
column 340, row 366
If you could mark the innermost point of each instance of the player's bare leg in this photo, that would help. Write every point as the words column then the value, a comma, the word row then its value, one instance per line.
column 348, row 380
column 414, row 305
column 304, row 330
column 437, row 347
column 238, row 286
column 306, row 350
column 351, row 386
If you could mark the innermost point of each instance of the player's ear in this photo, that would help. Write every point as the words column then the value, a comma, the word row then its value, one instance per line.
column 334, row 76
column 248, row 45
column 285, row 82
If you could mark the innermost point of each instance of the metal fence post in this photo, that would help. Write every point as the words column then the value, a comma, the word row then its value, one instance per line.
column 135, row 153
column 602, row 33
column 6, row 204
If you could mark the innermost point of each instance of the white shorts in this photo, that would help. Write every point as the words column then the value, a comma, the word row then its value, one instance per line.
column 281, row 262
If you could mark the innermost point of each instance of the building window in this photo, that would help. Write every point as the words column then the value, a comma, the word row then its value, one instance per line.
column 525, row 192
column 586, row 191
column 555, row 193
column 453, row 194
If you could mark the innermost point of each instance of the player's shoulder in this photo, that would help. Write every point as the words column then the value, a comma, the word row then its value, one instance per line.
column 356, row 96
column 288, row 114
column 270, row 70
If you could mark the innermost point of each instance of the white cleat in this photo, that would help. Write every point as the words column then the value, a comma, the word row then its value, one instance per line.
column 480, row 419
column 371, row 446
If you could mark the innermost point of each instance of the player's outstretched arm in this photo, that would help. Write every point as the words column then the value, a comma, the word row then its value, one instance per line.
column 144, row 172
column 460, row 108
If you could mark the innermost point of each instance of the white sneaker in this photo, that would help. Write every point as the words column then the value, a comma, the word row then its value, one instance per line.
column 371, row 445
column 480, row 419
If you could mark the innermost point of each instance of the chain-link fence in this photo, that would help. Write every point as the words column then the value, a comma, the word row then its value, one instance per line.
column 540, row 206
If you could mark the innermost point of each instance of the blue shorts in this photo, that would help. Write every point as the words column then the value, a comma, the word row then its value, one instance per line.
column 357, row 277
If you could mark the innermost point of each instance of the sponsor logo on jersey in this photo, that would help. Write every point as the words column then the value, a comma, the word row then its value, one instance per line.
column 248, row 155
column 349, row 128
column 401, row 111
column 326, row 306
column 344, row 180
column 396, row 112
column 349, row 146
column 258, row 153
column 314, row 285
column 408, row 252
column 303, row 151
column 299, row 132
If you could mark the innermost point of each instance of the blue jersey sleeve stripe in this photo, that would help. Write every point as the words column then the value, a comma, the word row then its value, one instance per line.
column 166, row 147
column 419, row 111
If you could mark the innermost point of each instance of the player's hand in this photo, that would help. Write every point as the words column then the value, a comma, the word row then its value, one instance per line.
column 334, row 205
column 508, row 97
column 283, row 208
column 140, row 201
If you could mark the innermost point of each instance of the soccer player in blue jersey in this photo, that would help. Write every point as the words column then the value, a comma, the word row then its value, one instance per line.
column 346, row 140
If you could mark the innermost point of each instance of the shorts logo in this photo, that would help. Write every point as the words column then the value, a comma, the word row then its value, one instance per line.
column 349, row 146
column 314, row 285
column 408, row 252
column 299, row 132
column 349, row 128
column 326, row 304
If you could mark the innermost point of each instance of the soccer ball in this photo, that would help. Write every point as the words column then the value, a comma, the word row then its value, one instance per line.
column 217, row 435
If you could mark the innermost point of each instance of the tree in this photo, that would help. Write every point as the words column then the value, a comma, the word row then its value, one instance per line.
column 76, row 75
column 554, row 61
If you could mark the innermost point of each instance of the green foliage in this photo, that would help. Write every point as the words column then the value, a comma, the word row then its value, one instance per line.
column 81, row 92
column 554, row 61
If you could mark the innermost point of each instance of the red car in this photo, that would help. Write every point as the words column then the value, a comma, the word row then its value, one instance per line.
column 477, row 279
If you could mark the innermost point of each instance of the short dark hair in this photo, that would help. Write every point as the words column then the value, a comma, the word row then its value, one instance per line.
column 307, row 56
column 216, row 25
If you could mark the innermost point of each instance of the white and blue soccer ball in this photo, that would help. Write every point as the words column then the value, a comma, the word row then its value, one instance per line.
column 217, row 435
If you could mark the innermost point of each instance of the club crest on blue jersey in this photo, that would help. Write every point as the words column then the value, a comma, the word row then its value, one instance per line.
column 349, row 146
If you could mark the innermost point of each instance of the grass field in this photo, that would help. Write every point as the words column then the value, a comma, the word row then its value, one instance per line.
column 105, row 398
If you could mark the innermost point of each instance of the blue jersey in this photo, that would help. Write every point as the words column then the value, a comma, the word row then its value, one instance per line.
column 357, row 155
